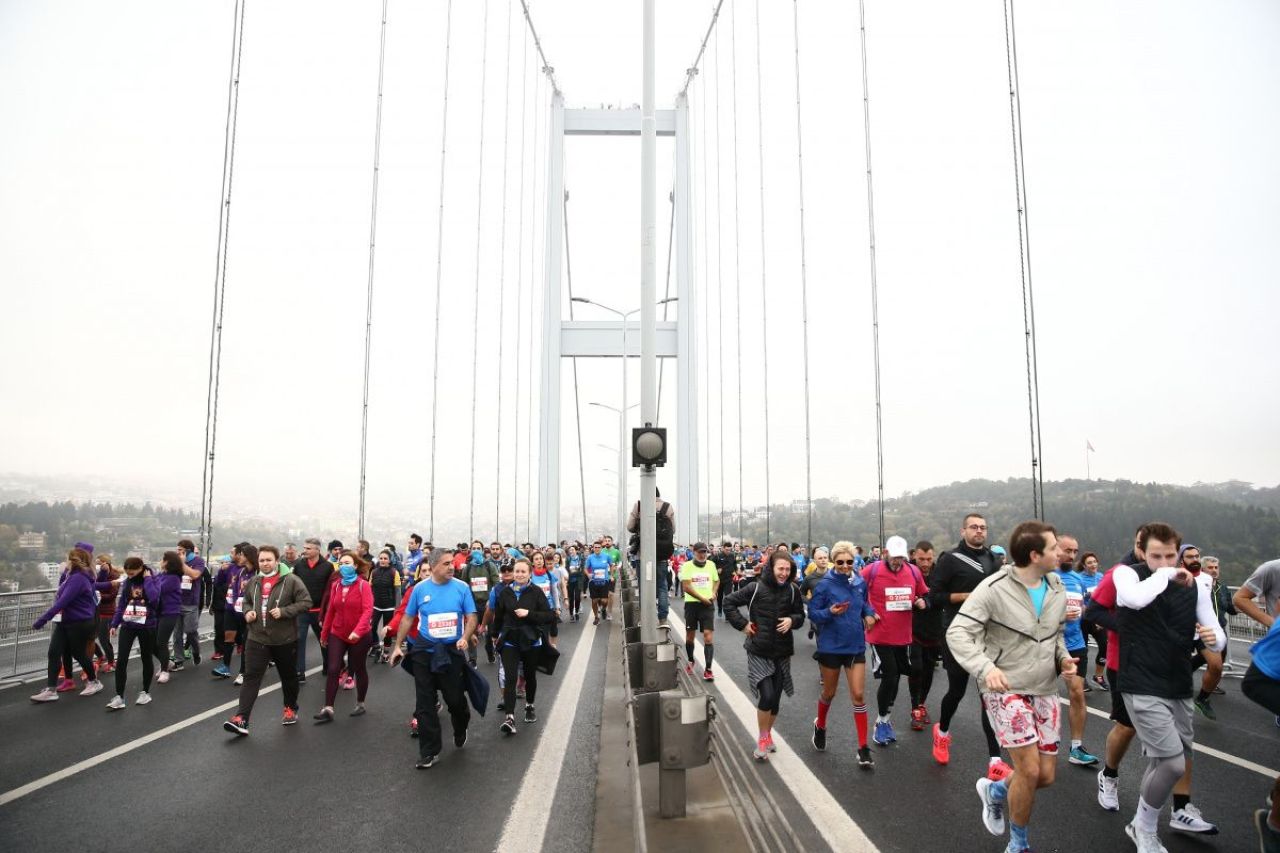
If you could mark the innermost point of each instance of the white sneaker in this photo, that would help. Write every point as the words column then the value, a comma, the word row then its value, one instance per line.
column 116, row 704
column 1108, row 792
column 91, row 688
column 1146, row 842
column 992, row 812
column 239, row 680
column 1189, row 819
column 144, row 698
column 46, row 695
column 163, row 677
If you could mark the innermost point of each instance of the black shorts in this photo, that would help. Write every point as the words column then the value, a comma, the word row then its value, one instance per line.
column 612, row 584
column 829, row 661
column 1119, row 712
column 699, row 616
column 598, row 590
column 1081, row 657
column 554, row 628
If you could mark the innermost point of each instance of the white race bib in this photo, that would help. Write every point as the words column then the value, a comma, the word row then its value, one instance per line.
column 186, row 584
column 897, row 598
column 480, row 584
column 1074, row 599
column 57, row 617
column 442, row 626
column 238, row 606
column 135, row 612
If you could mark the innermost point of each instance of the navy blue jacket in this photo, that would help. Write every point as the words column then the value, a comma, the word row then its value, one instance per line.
column 841, row 634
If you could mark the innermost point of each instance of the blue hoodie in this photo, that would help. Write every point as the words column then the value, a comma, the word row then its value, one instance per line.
column 841, row 634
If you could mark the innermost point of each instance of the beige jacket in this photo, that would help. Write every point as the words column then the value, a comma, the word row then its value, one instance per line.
column 997, row 626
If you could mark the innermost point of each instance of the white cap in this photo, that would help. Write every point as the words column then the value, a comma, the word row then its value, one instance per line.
column 896, row 546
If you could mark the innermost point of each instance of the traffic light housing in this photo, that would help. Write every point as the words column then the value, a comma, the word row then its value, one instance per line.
column 648, row 447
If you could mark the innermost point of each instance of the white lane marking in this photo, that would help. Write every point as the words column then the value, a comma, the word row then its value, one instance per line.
column 80, row 766
column 1199, row 747
column 526, row 824
column 832, row 821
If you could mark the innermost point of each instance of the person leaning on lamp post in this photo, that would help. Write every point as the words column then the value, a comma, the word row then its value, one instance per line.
column 1015, row 616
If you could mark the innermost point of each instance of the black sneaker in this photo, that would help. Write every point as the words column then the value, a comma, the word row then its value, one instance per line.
column 500, row 707
column 529, row 715
column 819, row 737
column 427, row 763
column 865, row 761
column 508, row 726
column 195, row 655
column 460, row 739
column 237, row 725
column 302, row 678
column 177, row 666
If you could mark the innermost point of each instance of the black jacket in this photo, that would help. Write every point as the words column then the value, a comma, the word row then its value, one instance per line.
column 725, row 563
column 316, row 580
column 955, row 573
column 767, row 602
column 383, row 581
column 521, row 632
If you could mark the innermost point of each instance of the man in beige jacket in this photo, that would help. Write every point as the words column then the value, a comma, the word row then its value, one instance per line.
column 1008, row 635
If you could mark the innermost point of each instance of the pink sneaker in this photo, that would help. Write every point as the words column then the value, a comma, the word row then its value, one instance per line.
column 998, row 770
column 66, row 685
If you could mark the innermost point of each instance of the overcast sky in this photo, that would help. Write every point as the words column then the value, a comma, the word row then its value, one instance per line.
column 1151, row 132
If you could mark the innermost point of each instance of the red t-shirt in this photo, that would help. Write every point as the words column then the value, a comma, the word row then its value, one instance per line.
column 1105, row 594
column 268, row 583
column 893, row 596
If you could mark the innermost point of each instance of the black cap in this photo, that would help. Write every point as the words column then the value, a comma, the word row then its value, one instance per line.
column 337, row 543
column 700, row 546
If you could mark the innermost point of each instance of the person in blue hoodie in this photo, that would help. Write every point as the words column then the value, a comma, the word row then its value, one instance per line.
column 840, row 610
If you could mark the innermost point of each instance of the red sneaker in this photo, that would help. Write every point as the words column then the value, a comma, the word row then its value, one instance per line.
column 998, row 770
column 289, row 718
column 941, row 745
column 66, row 685
column 413, row 727
column 217, row 656
column 707, row 675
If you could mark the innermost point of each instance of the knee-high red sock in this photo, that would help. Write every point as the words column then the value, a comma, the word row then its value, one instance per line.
column 860, row 720
column 823, row 708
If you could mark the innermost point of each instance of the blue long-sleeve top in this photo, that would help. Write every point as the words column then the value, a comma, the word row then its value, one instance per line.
column 843, row 633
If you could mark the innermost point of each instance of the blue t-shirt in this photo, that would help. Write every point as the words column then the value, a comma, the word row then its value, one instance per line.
column 441, row 609
column 493, row 593
column 1266, row 653
column 598, row 567
column 1090, row 581
column 1072, row 636
column 1037, row 596
column 575, row 564
column 547, row 584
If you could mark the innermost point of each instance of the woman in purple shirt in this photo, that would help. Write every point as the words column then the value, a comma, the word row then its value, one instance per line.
column 135, row 620
column 169, row 612
column 74, row 617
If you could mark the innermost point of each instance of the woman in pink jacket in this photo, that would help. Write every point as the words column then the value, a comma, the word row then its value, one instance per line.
column 346, row 631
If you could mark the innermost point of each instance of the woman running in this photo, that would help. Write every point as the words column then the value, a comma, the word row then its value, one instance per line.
column 346, row 631
column 577, row 582
column 842, row 615
column 545, row 580
column 74, row 618
column 235, row 576
column 135, row 621
column 169, row 614
column 774, row 610
column 385, row 581
column 108, row 587
column 521, row 615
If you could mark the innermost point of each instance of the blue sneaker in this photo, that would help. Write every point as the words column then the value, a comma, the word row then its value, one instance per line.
column 221, row 671
column 1081, row 757
column 884, row 734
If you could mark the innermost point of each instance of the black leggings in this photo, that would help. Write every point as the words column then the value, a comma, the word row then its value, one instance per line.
column 104, row 638
column 1262, row 689
column 770, row 690
column 1099, row 634
column 894, row 664
column 165, row 627
column 920, row 681
column 146, row 644
column 511, row 660
column 383, row 616
column 74, row 640
column 576, row 585
column 957, row 682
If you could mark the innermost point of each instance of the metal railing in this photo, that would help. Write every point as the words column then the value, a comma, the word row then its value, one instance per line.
column 23, row 649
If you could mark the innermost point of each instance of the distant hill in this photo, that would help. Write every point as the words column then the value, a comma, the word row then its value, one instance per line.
column 1102, row 514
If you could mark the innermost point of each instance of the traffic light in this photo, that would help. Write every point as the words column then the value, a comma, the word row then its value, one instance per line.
column 648, row 447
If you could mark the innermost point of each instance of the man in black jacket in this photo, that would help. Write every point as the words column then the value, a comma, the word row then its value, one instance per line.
column 725, row 562
column 314, row 572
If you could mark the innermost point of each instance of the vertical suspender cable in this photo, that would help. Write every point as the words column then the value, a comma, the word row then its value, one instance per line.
column 719, row 290
column 764, row 288
column 533, row 301
column 502, row 273
column 435, row 359
column 220, row 281
column 577, row 400
column 515, row 431
column 373, row 234
column 475, row 316
column 1024, row 261
column 804, row 288
column 875, row 296
column 737, row 255
column 705, row 307
column 671, row 233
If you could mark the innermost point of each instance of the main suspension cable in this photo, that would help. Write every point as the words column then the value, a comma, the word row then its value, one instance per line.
column 724, row 526
column 737, row 258
column 804, row 288
column 546, row 66
column 764, row 288
column 502, row 273
column 475, row 316
column 519, row 353
column 693, row 67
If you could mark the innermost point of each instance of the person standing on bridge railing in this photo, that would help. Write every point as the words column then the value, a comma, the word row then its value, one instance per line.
column 134, row 620
column 73, row 613
column 273, row 603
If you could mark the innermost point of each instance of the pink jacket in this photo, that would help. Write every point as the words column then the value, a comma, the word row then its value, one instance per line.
column 893, row 596
column 348, row 611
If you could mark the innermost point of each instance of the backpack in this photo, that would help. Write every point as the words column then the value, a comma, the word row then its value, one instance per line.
column 666, row 530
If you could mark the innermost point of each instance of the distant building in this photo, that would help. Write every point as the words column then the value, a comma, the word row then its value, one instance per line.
column 8, row 586
column 51, row 572
column 800, row 506
column 32, row 541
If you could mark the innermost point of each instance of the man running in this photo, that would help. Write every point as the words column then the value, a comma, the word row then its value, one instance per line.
column 926, row 643
column 315, row 572
column 599, row 574
column 1262, row 679
column 1015, row 616
column 480, row 575
column 894, row 589
column 701, row 583
column 1077, row 647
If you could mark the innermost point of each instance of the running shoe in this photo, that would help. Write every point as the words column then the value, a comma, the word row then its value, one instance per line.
column 998, row 770
column 302, row 678
column 144, row 698
column 91, row 688
column 769, row 738
column 819, row 736
column 413, row 727
column 239, row 680
column 195, row 655
column 66, row 685
column 919, row 718
column 358, row 711
column 1101, row 682
column 1218, row 691
column 688, row 668
column 708, row 675
column 761, row 752
column 46, row 695
column 350, row 683
column 221, row 671
column 427, row 763
column 884, row 734
column 289, row 717
column 237, row 725
column 178, row 666
column 1087, row 688
column 1108, row 792
column 186, row 653
column 992, row 811
column 216, row 656
column 460, row 739
column 519, row 691
column 110, row 667
column 325, row 715
column 595, row 620
column 163, row 677
column 1079, row 755
column 508, row 726
column 865, row 761
column 116, row 704
column 530, row 715
column 1205, row 709
column 941, row 745
column 1146, row 842
column 1189, row 819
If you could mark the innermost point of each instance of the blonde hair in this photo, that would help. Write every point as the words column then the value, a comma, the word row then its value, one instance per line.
column 842, row 547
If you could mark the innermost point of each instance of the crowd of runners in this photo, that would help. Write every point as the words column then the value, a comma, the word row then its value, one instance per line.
column 1015, row 621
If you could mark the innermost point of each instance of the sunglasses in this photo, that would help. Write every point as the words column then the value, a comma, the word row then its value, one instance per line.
column 843, row 562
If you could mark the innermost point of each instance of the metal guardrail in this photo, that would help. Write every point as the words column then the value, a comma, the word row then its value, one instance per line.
column 22, row 649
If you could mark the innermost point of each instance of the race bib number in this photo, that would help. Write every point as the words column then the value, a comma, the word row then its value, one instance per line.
column 57, row 617
column 442, row 626
column 599, row 575
column 238, row 606
column 897, row 598
column 1075, row 600
column 701, row 580
column 186, row 584
column 230, row 597
column 135, row 613
column 480, row 585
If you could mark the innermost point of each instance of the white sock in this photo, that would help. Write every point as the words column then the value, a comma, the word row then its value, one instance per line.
column 992, row 761
column 1076, row 744
column 1147, row 817
column 881, row 719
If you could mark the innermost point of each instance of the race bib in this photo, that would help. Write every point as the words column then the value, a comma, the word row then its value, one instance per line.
column 442, row 626
column 135, row 613
column 186, row 584
column 230, row 596
column 599, row 575
column 57, row 617
column 1075, row 599
column 897, row 598
column 701, row 580
column 480, row 585
column 238, row 606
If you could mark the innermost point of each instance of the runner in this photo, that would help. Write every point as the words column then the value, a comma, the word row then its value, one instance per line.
column 272, row 605
column 1161, row 608
column 1262, row 681
column 520, row 618
column 577, row 582
column 74, row 618
column 840, row 610
column 700, row 581
column 774, row 610
column 314, row 571
column 926, row 643
column 958, row 572
column 544, row 579
column 1087, row 567
column 1015, row 616
column 446, row 619
column 236, row 576
column 169, row 614
column 1077, row 647
column 1189, row 559
column 599, row 575
column 480, row 575
column 385, row 580
column 135, row 621
column 186, row 636
column 346, row 631
column 894, row 589
column 107, row 585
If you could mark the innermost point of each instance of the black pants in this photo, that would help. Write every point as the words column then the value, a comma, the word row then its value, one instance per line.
column 165, row 626
column 357, row 654
column 256, row 657
column 383, row 616
column 1262, row 689
column 104, row 638
column 449, row 683
column 511, row 660
column 920, row 681
column 71, row 640
column 219, row 629
column 770, row 691
column 894, row 663
column 958, row 680
column 128, row 634
column 576, row 585
column 721, row 591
